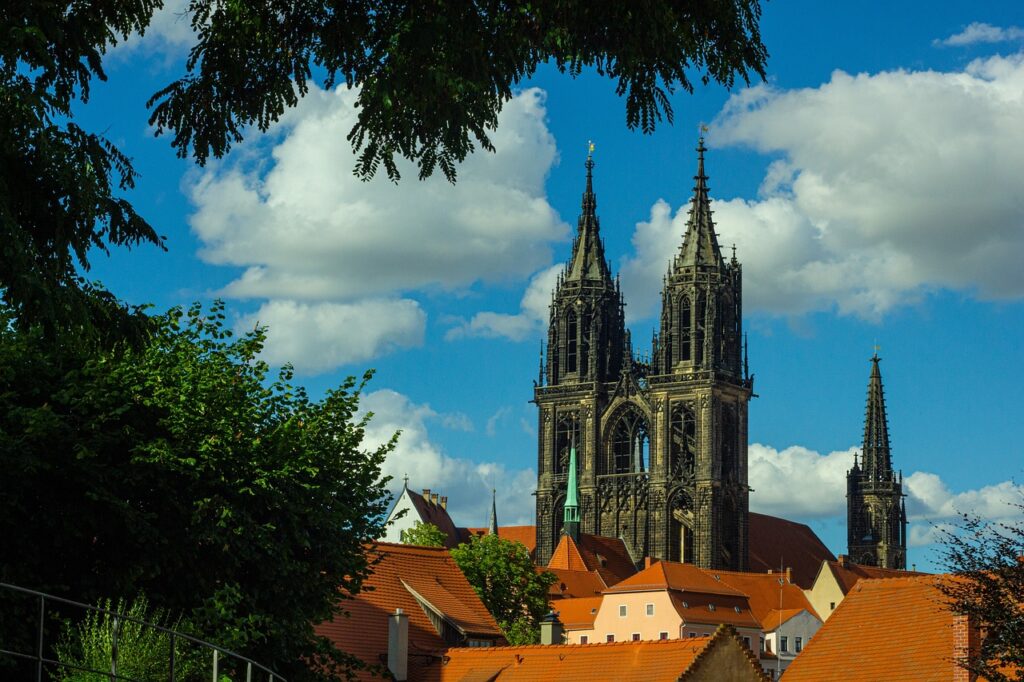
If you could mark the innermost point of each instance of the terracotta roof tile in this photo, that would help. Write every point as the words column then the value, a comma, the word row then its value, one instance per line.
column 429, row 571
column 437, row 515
column 848, row 573
column 763, row 592
column 525, row 535
column 775, row 541
column 574, row 583
column 889, row 629
column 579, row 613
column 731, row 610
column 674, row 576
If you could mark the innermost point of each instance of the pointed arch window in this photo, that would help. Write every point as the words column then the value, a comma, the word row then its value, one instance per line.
column 683, row 441
column 630, row 443
column 571, row 333
column 681, row 524
column 699, row 318
column 567, row 432
column 685, row 325
column 584, row 345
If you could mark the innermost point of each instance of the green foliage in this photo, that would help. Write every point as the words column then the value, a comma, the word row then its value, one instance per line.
column 424, row 535
column 60, row 184
column 143, row 652
column 433, row 75
column 987, row 558
column 511, row 588
column 180, row 470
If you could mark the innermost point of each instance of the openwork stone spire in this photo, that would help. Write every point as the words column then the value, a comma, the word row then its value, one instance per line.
column 876, row 459
column 588, row 261
column 700, row 244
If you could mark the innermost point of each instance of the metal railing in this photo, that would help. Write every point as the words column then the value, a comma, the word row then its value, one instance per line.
column 254, row 672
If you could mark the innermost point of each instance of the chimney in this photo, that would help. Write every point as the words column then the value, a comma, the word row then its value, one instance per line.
column 843, row 560
column 965, row 646
column 551, row 629
column 789, row 574
column 398, row 645
column 444, row 503
column 434, row 498
column 426, row 494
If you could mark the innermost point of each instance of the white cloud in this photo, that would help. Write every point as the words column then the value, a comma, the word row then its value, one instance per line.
column 979, row 32
column 466, row 483
column 500, row 416
column 305, row 228
column 456, row 421
column 169, row 33
column 797, row 483
column 889, row 186
column 529, row 322
column 928, row 497
column 317, row 337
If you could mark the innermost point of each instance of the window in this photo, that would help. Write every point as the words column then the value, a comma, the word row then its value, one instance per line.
column 636, row 636
column 711, row 607
column 662, row 635
column 693, row 634
column 746, row 640
column 831, row 606
column 570, row 342
column 783, row 644
column 799, row 644
column 609, row 638
column 762, row 645
column 622, row 610
column 479, row 642
column 650, row 609
column 584, row 639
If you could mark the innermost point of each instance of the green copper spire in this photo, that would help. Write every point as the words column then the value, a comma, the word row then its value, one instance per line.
column 571, row 513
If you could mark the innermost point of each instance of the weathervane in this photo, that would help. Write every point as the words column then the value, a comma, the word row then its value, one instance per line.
column 590, row 148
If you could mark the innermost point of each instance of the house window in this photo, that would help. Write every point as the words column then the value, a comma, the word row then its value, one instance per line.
column 650, row 609
column 831, row 606
column 693, row 634
column 479, row 642
column 662, row 635
column 746, row 640
column 762, row 645
column 622, row 611
column 609, row 638
column 584, row 639
column 799, row 644
column 784, row 645
column 636, row 636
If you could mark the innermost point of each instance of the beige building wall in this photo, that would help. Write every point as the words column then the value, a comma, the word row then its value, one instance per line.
column 825, row 594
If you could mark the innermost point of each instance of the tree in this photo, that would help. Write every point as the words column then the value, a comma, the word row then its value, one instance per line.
column 179, row 470
column 987, row 561
column 432, row 78
column 424, row 535
column 509, row 585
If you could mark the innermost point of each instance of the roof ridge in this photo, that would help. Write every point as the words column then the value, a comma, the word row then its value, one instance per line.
column 689, row 641
column 391, row 546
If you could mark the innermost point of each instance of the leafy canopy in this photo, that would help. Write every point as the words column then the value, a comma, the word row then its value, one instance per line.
column 182, row 471
column 988, row 560
column 432, row 77
column 509, row 585
column 424, row 535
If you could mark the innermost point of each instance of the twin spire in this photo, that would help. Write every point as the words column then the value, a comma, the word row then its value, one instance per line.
column 700, row 244
column 588, row 261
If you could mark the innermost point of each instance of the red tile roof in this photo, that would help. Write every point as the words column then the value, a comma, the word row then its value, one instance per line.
column 525, row 535
column 652, row 661
column 578, row 613
column 574, row 583
column 402, row 574
column 776, row 542
column 890, row 629
column 848, row 574
column 437, row 515
column 671, row 575
column 767, row 592
column 608, row 556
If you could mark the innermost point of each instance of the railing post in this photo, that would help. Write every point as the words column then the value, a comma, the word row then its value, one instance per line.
column 248, row 672
column 39, row 650
column 113, row 650
column 173, row 646
column 216, row 654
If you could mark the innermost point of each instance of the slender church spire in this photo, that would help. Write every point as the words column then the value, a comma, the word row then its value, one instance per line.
column 700, row 244
column 492, row 527
column 876, row 459
column 588, row 261
column 571, row 510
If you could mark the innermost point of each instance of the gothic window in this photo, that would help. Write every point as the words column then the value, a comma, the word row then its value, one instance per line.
column 685, row 323
column 730, row 456
column 630, row 443
column 681, row 523
column 700, row 314
column 567, row 432
column 584, row 345
column 570, row 342
column 683, row 441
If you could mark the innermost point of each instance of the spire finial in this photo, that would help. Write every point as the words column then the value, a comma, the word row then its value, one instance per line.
column 405, row 481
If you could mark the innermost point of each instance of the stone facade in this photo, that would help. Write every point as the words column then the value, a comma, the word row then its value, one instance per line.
column 876, row 517
column 662, row 440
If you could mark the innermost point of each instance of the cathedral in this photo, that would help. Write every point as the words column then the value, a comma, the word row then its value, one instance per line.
column 653, row 449
column 660, row 443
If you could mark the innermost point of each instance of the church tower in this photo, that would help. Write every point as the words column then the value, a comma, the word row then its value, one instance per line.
column 876, row 516
column 661, row 446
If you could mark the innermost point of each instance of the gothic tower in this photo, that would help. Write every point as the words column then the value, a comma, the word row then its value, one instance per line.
column 661, row 445
column 876, row 516
column 699, row 391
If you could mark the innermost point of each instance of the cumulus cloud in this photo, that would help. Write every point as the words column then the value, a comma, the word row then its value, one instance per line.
column 317, row 337
column 888, row 186
column 771, row 473
column 169, row 33
column 979, row 32
column 305, row 228
column 467, row 483
column 529, row 322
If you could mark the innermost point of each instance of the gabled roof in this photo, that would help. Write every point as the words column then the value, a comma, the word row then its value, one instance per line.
column 608, row 556
column 848, row 573
column 417, row 580
column 525, row 535
column 776, row 618
column 435, row 514
column 889, row 629
column 767, row 592
column 578, row 613
column 570, row 584
column 670, row 575
column 775, row 542
column 652, row 661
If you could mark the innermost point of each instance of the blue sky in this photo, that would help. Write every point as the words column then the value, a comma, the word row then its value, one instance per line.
column 872, row 186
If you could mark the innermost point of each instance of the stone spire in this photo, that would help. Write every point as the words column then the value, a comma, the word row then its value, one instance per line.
column 700, row 244
column 588, row 261
column 492, row 527
column 571, row 510
column 876, row 460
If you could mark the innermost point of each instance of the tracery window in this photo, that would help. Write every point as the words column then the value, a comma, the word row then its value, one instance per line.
column 700, row 316
column 685, row 324
column 567, row 432
column 570, row 341
column 683, row 441
column 630, row 443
